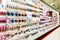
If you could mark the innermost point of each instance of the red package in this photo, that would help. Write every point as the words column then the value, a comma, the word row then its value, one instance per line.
column 2, row 13
column 2, row 28
column 2, row 20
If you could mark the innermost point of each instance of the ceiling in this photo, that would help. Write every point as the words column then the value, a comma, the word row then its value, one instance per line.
column 54, row 3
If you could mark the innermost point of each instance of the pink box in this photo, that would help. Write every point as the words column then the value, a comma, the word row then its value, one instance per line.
column 2, row 28
column 3, row 20
column 3, row 37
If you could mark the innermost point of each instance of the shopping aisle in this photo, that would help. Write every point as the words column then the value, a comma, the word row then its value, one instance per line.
column 54, row 35
column 26, row 19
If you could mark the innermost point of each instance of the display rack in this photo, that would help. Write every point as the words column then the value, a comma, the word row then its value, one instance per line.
column 26, row 19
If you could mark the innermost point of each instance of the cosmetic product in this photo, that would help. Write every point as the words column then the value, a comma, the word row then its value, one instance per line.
column 8, row 14
column 33, row 15
column 14, row 28
column 3, row 13
column 34, row 33
column 16, row 14
column 2, row 28
column 12, row 35
column 18, row 27
column 10, row 28
column 20, row 14
column 19, row 20
column 15, row 33
column 25, row 14
column 16, row 20
column 2, row 19
column 7, row 36
column 3, row 37
column 12, row 21
column 12, row 14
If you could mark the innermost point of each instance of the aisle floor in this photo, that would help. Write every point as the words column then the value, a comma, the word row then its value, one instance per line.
column 55, row 35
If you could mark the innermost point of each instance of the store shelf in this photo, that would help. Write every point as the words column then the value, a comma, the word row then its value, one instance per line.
column 24, row 7
column 27, row 21
column 40, row 33
column 28, row 3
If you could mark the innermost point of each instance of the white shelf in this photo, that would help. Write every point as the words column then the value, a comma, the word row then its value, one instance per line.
column 29, row 8
column 2, row 10
column 2, row 24
column 28, row 3
column 41, row 33
column 22, row 6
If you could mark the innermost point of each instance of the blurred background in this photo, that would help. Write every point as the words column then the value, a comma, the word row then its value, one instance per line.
column 54, row 3
column 54, row 35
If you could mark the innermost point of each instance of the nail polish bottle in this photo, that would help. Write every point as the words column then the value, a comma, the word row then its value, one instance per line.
column 18, row 27
column 4, row 28
column 20, row 14
column 12, row 21
column 16, row 14
column 14, row 28
column 1, row 28
column 22, row 20
column 11, row 28
column 25, row 15
column 16, row 20
column 8, row 13
column 7, row 36
column 19, row 20
column 12, row 14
